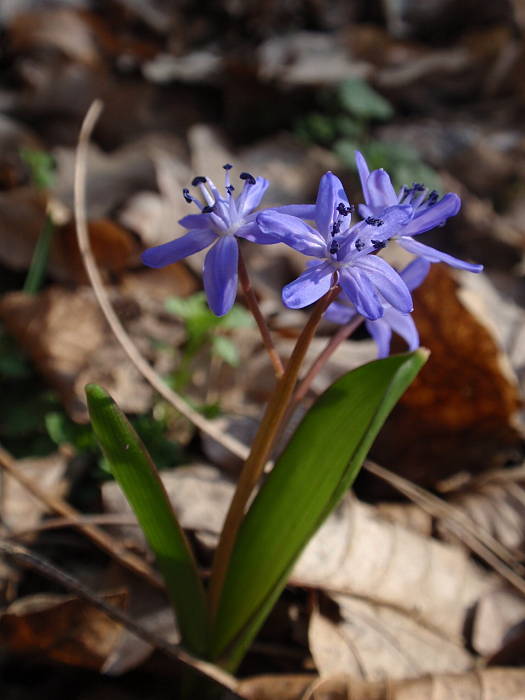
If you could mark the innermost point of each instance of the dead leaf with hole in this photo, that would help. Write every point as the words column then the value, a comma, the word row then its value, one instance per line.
column 61, row 628
column 373, row 641
column 463, row 405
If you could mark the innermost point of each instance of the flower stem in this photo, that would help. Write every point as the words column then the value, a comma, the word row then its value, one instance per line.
column 335, row 341
column 253, row 305
column 268, row 430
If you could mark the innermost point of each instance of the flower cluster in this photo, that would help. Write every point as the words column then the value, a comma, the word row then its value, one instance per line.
column 344, row 253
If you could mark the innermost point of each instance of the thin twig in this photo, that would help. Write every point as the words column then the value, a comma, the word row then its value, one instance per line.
column 58, row 523
column 24, row 557
column 227, row 441
column 335, row 341
column 471, row 534
column 109, row 544
column 263, row 443
column 253, row 305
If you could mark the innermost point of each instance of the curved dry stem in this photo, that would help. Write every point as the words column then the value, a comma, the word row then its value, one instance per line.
column 227, row 441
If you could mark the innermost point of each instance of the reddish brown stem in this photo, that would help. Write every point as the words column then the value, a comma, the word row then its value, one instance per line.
column 269, row 428
column 335, row 341
column 253, row 305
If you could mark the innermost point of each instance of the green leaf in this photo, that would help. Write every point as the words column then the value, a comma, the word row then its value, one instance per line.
column 317, row 467
column 137, row 476
column 226, row 350
column 42, row 166
column 363, row 102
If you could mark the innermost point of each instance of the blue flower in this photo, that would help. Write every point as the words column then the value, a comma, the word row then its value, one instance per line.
column 341, row 311
column 221, row 221
column 428, row 211
column 343, row 250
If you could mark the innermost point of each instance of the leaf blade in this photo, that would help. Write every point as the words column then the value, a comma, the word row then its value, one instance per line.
column 137, row 476
column 298, row 495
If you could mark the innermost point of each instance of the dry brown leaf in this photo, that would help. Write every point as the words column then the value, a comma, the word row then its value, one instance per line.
column 22, row 217
column 355, row 552
column 59, row 28
column 487, row 684
column 278, row 687
column 463, row 403
column 372, row 642
column 61, row 628
column 19, row 509
column 500, row 615
column 65, row 335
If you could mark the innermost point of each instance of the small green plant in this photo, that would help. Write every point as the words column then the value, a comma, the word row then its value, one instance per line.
column 42, row 168
column 205, row 330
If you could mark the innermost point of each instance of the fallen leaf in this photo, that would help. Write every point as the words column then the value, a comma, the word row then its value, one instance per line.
column 66, row 336
column 355, row 552
column 22, row 511
column 373, row 641
column 485, row 684
column 500, row 616
column 463, row 406
column 61, row 628
column 275, row 687
column 58, row 28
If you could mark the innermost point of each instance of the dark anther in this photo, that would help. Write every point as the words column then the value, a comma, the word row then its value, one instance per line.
column 417, row 187
column 378, row 244
column 359, row 244
column 374, row 221
column 336, row 227
column 186, row 195
column 199, row 180
column 432, row 198
column 345, row 210
column 207, row 209
column 227, row 166
column 406, row 190
column 334, row 247
column 249, row 178
column 230, row 189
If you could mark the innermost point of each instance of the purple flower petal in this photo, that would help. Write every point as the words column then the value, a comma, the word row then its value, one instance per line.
column 387, row 281
column 380, row 190
column 403, row 325
column 381, row 334
column 433, row 255
column 303, row 211
column 330, row 193
column 415, row 273
column 251, row 196
column 308, row 287
column 292, row 231
column 168, row 253
column 220, row 275
column 193, row 221
column 360, row 290
column 339, row 312
column 364, row 172
column 435, row 215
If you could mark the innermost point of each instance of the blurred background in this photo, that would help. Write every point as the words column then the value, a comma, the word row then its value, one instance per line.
column 432, row 91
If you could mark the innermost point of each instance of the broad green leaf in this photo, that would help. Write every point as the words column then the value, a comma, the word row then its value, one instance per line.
column 317, row 467
column 136, row 474
column 362, row 101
